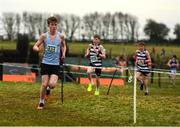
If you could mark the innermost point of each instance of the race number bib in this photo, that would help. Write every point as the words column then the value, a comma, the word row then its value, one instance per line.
column 93, row 58
column 140, row 62
column 51, row 48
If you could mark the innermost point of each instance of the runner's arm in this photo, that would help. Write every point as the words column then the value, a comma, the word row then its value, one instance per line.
column 87, row 51
column 102, row 53
column 39, row 42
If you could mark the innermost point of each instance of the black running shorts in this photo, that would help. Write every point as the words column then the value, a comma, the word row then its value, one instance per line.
column 97, row 70
column 50, row 69
column 145, row 73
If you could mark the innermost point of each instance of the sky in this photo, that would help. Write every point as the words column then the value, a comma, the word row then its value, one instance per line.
column 164, row 11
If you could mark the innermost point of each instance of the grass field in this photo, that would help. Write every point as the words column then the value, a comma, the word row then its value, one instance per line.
column 116, row 49
column 19, row 101
column 128, row 49
column 11, row 45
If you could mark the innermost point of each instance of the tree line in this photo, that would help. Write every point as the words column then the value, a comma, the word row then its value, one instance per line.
column 120, row 27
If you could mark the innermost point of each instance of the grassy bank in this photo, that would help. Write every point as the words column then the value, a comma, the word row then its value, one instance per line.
column 115, row 49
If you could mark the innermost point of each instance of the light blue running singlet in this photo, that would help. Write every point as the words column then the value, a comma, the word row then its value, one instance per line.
column 51, row 50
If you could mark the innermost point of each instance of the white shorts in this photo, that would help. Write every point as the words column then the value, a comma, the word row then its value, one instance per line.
column 173, row 71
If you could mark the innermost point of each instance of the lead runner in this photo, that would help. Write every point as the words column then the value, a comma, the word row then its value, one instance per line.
column 54, row 44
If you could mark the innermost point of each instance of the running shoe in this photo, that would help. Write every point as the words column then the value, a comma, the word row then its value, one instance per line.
column 96, row 93
column 40, row 106
column 146, row 93
column 89, row 87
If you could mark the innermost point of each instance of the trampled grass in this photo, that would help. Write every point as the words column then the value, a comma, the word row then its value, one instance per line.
column 19, row 101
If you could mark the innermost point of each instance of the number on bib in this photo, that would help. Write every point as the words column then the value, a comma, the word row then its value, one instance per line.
column 51, row 48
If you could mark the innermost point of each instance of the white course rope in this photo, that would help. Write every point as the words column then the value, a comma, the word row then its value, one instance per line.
column 126, row 68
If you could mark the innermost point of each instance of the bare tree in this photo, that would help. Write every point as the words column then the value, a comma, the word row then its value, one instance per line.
column 106, row 21
column 25, row 21
column 75, row 24
column 127, row 27
column 92, row 24
column 89, row 23
column 114, row 25
column 121, row 21
column 61, row 24
column 131, row 27
column 30, row 21
column 18, row 23
column 133, row 22
column 41, row 24
column 70, row 24
column 9, row 20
